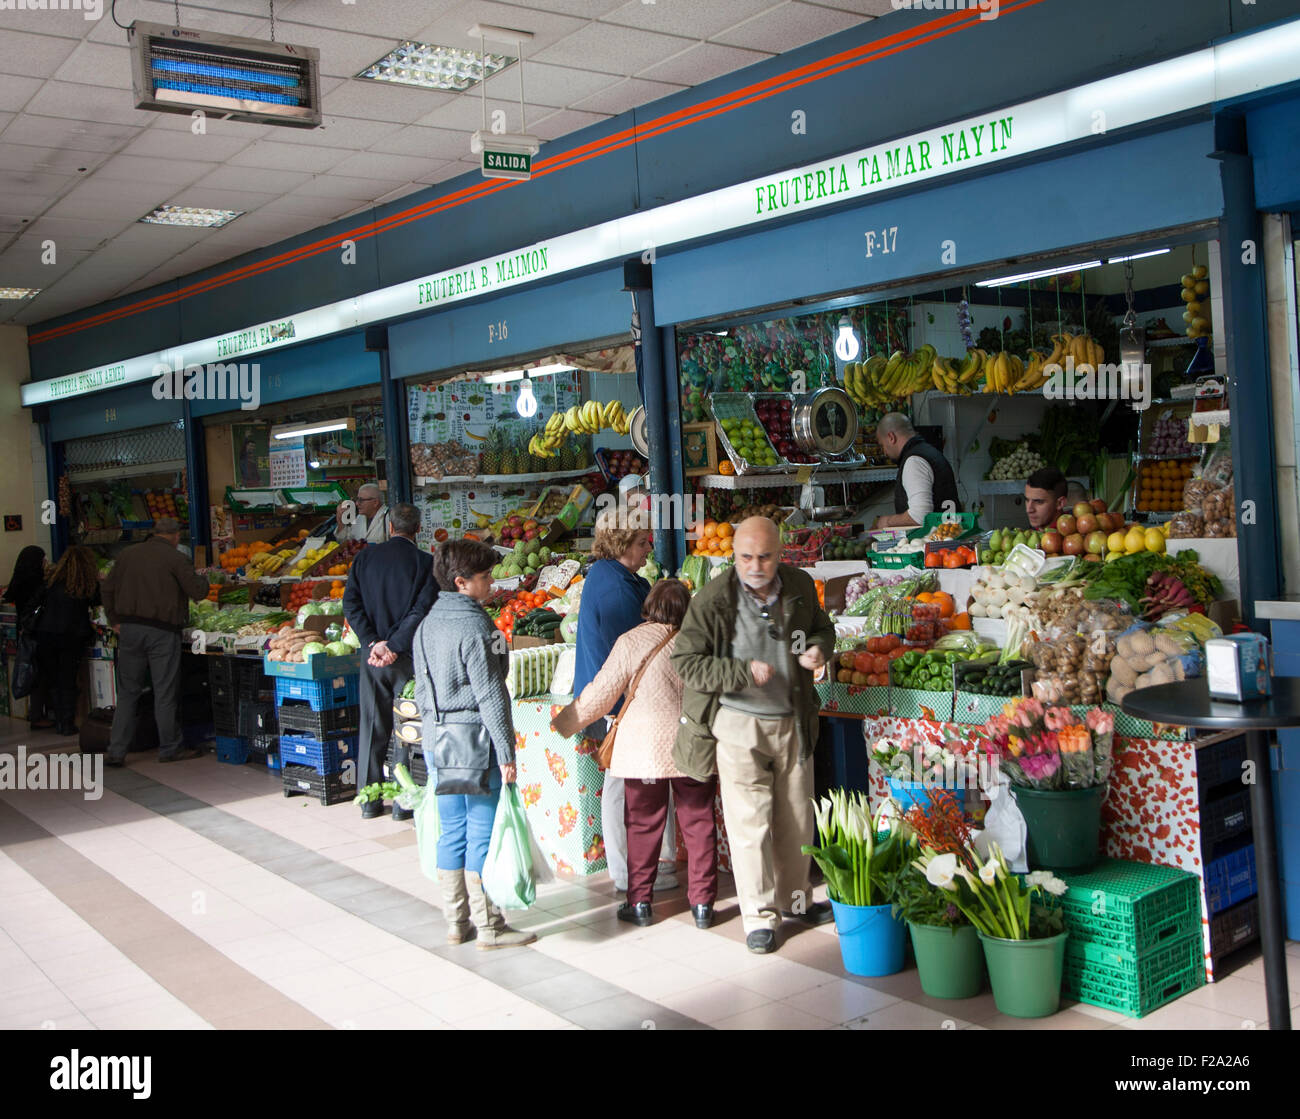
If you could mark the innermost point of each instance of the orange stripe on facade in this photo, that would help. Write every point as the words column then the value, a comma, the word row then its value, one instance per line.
column 840, row 63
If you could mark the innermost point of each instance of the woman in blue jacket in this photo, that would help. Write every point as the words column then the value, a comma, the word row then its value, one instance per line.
column 612, row 596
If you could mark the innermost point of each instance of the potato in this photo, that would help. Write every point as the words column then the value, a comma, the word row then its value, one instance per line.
column 1122, row 670
column 1142, row 643
column 1162, row 674
column 1167, row 645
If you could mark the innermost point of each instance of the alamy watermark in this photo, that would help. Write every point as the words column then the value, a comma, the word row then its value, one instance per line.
column 89, row 9
column 988, row 9
column 218, row 380
column 1125, row 381
column 661, row 513
column 37, row 771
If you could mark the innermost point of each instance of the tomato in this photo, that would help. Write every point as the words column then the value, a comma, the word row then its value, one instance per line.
column 951, row 559
column 882, row 664
column 893, row 641
column 894, row 654
column 933, row 559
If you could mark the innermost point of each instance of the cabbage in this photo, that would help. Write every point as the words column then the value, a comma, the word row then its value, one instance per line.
column 351, row 640
column 311, row 649
column 332, row 606
column 334, row 632
column 310, row 608
column 338, row 649
column 569, row 628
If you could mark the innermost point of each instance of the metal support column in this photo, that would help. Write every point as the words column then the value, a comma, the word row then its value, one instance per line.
column 196, row 480
column 396, row 434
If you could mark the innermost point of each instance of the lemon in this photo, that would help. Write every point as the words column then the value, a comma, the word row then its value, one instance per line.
column 1155, row 540
column 1135, row 541
column 1115, row 542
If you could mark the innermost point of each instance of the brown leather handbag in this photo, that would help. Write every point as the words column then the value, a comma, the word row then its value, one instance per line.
column 605, row 754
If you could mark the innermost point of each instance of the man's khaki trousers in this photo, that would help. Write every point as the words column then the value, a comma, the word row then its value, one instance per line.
column 767, row 802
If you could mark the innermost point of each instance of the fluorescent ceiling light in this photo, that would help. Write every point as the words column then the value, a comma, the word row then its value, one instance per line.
column 1005, row 280
column 1138, row 256
column 518, row 374
column 195, row 216
column 432, row 67
column 292, row 431
column 18, row 293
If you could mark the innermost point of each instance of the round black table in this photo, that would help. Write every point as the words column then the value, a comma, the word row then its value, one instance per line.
column 1188, row 704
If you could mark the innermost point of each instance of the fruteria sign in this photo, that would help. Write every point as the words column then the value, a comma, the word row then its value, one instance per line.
column 1240, row 67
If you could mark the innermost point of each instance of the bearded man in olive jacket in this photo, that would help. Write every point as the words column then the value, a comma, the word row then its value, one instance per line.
column 747, row 651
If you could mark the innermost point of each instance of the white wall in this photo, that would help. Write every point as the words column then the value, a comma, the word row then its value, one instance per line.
column 22, row 481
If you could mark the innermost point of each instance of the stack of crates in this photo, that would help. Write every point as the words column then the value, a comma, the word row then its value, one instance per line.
column 319, row 721
column 1135, row 936
column 237, row 687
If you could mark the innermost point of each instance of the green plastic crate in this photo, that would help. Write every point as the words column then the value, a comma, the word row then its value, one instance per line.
column 974, row 709
column 912, row 703
column 1101, row 977
column 1131, row 909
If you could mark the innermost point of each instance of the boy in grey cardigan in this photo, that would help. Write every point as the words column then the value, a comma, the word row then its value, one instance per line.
column 460, row 674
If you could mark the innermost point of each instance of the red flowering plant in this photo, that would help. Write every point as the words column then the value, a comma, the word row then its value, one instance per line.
column 1044, row 747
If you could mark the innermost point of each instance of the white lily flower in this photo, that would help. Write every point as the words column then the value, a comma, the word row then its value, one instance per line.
column 1037, row 877
column 822, row 813
column 941, row 871
column 989, row 873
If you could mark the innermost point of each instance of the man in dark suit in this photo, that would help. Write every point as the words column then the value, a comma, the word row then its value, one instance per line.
column 389, row 591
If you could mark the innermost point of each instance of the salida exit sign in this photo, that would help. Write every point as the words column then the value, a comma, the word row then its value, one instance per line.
column 507, row 165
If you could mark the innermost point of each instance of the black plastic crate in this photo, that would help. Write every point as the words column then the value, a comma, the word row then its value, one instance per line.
column 1222, row 819
column 328, row 788
column 419, row 772
column 264, row 744
column 297, row 717
column 1234, row 928
column 1220, row 764
column 257, row 718
column 225, row 720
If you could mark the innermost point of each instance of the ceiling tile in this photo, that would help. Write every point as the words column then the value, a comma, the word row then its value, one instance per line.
column 395, row 168
column 110, row 201
column 562, row 123
column 289, row 157
column 341, row 54
column 16, row 91
column 620, row 50
column 557, row 86
column 87, row 103
column 75, row 229
column 787, row 26
column 631, row 93
column 33, row 185
column 36, row 55
column 202, row 18
column 383, row 101
column 451, row 171
column 28, row 157
column 45, row 18
column 396, row 19
column 465, row 115
column 451, row 29
column 214, row 198
column 314, row 207
column 861, row 7
column 584, row 9
column 418, row 140
column 139, row 169
column 214, row 126
column 261, row 179
column 688, row 17
column 343, row 186
column 701, row 63
column 98, row 64
column 339, row 132
column 168, row 144
column 61, row 132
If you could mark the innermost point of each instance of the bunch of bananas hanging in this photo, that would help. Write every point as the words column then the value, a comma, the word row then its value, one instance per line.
column 879, row 381
column 583, row 419
column 1083, row 348
column 958, row 375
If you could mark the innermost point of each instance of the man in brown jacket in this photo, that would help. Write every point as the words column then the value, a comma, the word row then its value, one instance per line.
column 747, row 650
column 146, row 597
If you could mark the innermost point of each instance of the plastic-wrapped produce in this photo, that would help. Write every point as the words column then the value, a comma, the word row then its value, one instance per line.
column 1187, row 525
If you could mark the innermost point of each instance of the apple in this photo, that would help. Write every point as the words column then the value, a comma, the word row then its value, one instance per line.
column 1098, row 505
column 1092, row 557
column 1066, row 524
column 1086, row 523
column 1052, row 543
column 1073, row 544
column 1096, row 543
column 1083, row 509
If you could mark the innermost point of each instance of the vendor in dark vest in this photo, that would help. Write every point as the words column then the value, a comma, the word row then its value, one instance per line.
column 926, row 483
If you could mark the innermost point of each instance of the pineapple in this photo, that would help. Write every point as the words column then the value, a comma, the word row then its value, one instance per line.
column 492, row 453
column 568, row 455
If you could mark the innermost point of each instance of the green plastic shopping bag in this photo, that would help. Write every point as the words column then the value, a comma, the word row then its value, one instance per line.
column 421, row 801
column 508, row 872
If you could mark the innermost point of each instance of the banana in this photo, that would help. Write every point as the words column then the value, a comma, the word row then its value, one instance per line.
column 1029, row 377
column 1057, row 356
column 936, row 375
column 972, row 366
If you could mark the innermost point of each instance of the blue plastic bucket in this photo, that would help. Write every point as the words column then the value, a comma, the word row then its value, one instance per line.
column 908, row 793
column 872, row 940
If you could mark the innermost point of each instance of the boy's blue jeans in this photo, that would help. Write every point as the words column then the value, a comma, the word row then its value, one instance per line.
column 466, row 824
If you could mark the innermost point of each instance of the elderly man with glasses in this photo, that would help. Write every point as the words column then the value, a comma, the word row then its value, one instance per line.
column 369, row 520
column 747, row 651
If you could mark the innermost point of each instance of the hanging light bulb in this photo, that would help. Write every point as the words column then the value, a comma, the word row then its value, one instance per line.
column 847, row 346
column 526, row 405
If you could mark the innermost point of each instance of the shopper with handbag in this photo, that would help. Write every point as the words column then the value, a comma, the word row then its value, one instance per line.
column 469, row 737
column 63, row 630
column 611, row 602
column 638, row 752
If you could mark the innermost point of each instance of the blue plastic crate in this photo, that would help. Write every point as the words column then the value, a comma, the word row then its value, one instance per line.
column 323, row 757
column 323, row 695
column 1230, row 879
column 273, row 760
column 232, row 751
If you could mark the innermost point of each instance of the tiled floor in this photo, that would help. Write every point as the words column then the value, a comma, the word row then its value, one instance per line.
column 195, row 896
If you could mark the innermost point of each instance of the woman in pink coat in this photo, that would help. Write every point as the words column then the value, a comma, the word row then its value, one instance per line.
column 643, row 756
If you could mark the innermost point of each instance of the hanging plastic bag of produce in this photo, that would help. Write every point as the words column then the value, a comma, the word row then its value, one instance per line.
column 427, row 826
column 508, row 872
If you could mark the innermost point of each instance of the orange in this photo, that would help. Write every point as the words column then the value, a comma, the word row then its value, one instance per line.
column 710, row 529
column 925, row 596
column 946, row 605
column 725, row 529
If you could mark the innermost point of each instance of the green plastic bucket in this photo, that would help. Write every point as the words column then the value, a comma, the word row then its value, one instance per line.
column 951, row 964
column 1064, row 827
column 1025, row 974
